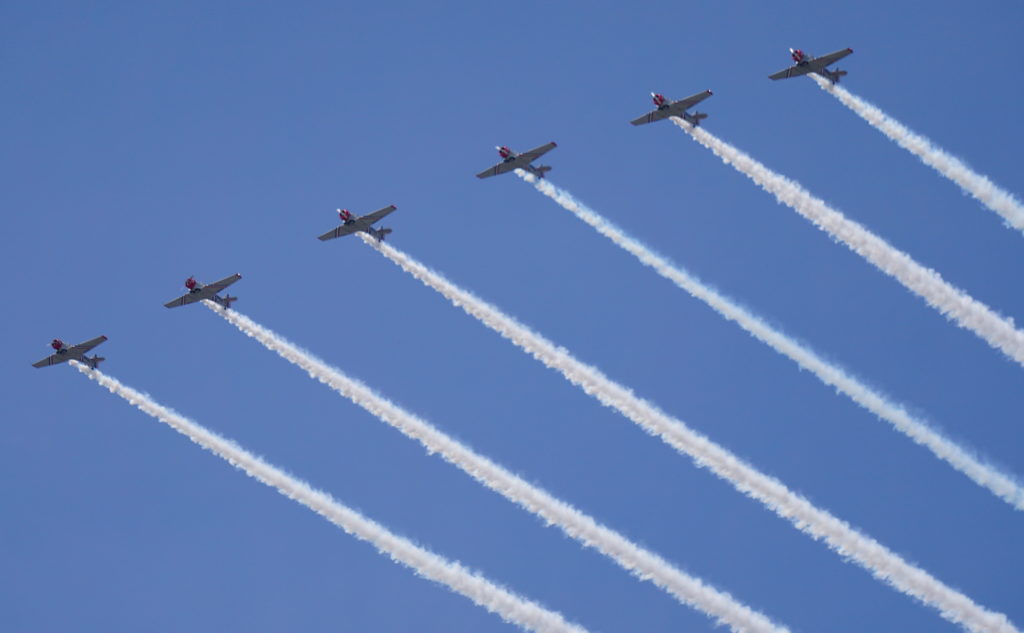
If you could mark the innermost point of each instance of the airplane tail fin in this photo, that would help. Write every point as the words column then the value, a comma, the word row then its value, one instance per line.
column 836, row 74
column 694, row 118
column 227, row 301
column 94, row 361
column 540, row 171
column 381, row 233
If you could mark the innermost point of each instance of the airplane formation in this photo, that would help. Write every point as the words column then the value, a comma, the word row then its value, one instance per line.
column 805, row 64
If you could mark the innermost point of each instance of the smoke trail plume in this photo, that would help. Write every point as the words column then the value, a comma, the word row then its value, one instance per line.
column 510, row 607
column 986, row 475
column 641, row 563
column 954, row 303
column 819, row 524
column 973, row 183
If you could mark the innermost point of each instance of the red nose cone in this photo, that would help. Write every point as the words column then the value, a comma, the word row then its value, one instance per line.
column 190, row 283
column 57, row 344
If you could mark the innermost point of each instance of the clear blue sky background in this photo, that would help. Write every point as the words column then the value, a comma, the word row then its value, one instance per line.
column 145, row 142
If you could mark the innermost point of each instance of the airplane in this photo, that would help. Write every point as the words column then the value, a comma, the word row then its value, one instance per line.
column 511, row 161
column 351, row 224
column 806, row 64
column 198, row 292
column 75, row 352
column 675, row 108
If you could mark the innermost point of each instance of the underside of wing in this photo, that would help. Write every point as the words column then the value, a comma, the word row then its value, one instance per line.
column 500, row 168
column 82, row 348
column 651, row 117
column 534, row 154
column 182, row 300
column 371, row 218
column 831, row 58
column 793, row 71
column 217, row 286
column 344, row 229
column 690, row 101
column 52, row 359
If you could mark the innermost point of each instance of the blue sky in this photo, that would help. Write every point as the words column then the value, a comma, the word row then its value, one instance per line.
column 146, row 142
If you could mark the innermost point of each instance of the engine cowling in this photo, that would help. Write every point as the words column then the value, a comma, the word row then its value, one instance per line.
column 57, row 344
column 191, row 283
column 504, row 151
column 659, row 99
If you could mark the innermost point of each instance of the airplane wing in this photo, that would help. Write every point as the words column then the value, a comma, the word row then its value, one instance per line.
column 52, row 359
column 500, row 168
column 344, row 229
column 217, row 286
column 652, row 116
column 528, row 157
column 689, row 102
column 372, row 218
column 793, row 71
column 82, row 348
column 831, row 58
column 184, row 299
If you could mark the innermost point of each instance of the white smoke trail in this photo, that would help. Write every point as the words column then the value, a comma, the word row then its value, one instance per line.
column 954, row 303
column 1000, row 484
column 973, row 183
column 510, row 607
column 641, row 563
column 819, row 524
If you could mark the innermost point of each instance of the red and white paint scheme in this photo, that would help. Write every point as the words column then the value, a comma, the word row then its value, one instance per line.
column 666, row 108
column 351, row 223
column 512, row 160
column 200, row 292
column 63, row 353
column 806, row 64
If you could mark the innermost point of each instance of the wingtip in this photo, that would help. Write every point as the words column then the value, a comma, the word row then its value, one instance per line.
column 709, row 92
column 850, row 49
column 103, row 336
column 554, row 143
